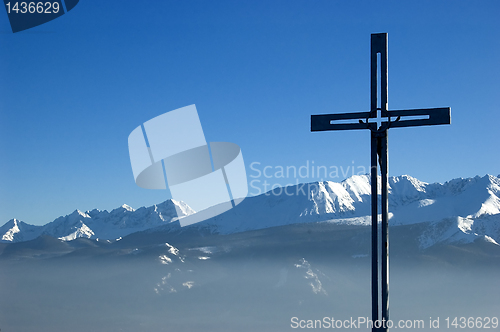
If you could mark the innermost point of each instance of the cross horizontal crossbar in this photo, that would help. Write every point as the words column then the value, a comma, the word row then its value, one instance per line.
column 437, row 116
column 322, row 122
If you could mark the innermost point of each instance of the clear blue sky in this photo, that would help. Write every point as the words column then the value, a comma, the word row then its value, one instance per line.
column 73, row 89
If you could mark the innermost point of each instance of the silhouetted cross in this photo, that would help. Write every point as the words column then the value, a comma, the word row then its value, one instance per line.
column 384, row 119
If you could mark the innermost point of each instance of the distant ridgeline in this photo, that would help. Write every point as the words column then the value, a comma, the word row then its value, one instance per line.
column 460, row 210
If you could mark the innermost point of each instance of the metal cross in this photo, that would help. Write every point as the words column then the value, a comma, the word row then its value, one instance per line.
column 388, row 119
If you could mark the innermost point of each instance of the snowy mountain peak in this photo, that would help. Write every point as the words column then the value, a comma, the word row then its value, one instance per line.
column 79, row 214
column 182, row 208
column 128, row 208
column 409, row 182
column 16, row 231
column 81, row 230
column 494, row 183
column 358, row 186
column 12, row 229
column 13, row 223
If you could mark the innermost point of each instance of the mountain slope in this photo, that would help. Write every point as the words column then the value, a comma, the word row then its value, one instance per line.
column 410, row 201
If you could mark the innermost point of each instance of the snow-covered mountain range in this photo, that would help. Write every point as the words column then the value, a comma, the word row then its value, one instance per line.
column 97, row 224
column 460, row 210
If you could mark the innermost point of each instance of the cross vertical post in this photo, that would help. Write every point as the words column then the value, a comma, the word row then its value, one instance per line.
column 374, row 196
column 379, row 156
column 379, row 46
